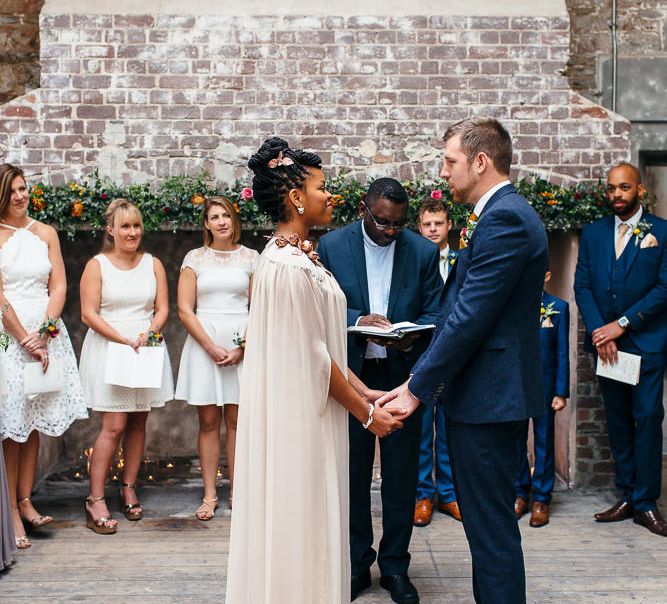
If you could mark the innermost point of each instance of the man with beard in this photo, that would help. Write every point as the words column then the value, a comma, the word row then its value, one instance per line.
column 389, row 274
column 483, row 363
column 621, row 290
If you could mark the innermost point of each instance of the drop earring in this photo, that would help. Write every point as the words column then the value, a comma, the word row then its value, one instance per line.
column 300, row 209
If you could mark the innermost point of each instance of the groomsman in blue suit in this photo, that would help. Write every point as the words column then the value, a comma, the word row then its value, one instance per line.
column 555, row 354
column 435, row 224
column 483, row 361
column 621, row 290
column 389, row 274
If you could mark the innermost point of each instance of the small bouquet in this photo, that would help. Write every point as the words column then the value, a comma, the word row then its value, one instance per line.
column 155, row 338
column 5, row 338
column 238, row 340
column 49, row 327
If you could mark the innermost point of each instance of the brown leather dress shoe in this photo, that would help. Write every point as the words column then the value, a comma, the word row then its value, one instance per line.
column 423, row 512
column 520, row 507
column 621, row 510
column 451, row 508
column 653, row 521
column 539, row 514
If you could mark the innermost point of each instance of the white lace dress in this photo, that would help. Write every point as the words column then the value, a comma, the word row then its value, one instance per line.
column 127, row 304
column 25, row 268
column 222, row 309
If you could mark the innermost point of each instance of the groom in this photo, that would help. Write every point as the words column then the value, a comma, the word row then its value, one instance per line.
column 483, row 363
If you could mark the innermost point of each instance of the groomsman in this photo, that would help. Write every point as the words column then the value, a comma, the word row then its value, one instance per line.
column 555, row 355
column 621, row 290
column 482, row 361
column 435, row 224
column 389, row 274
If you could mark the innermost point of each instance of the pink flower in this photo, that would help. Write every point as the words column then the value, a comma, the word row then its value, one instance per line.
column 436, row 194
column 246, row 193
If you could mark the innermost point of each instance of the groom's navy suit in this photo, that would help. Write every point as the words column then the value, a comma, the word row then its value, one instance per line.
column 484, row 361
column 414, row 295
column 634, row 286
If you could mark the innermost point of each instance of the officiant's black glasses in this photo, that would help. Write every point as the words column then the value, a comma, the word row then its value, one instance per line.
column 383, row 225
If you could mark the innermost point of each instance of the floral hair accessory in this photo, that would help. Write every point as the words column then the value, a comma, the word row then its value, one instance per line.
column 280, row 161
column 49, row 327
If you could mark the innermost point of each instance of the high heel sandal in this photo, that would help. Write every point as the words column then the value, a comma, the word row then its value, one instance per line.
column 104, row 525
column 206, row 511
column 127, row 508
column 36, row 521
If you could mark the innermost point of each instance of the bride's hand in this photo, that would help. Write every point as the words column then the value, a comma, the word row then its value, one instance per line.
column 384, row 422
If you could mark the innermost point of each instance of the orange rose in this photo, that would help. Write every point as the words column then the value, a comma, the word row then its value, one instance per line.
column 77, row 208
column 197, row 199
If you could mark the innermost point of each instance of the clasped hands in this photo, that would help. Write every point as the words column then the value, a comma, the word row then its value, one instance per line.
column 604, row 339
column 391, row 409
column 36, row 346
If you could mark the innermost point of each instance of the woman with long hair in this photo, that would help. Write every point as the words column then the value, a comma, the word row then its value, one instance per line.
column 213, row 298
column 34, row 282
column 124, row 299
column 289, row 535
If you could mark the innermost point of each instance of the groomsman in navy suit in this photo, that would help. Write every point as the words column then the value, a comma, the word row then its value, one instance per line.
column 389, row 274
column 483, row 361
column 555, row 354
column 435, row 224
column 621, row 290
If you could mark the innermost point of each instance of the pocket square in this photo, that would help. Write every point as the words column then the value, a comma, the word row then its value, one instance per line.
column 648, row 241
column 547, row 323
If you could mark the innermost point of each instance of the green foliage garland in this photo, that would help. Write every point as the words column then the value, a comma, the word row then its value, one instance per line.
column 176, row 202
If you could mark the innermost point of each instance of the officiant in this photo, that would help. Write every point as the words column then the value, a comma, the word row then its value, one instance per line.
column 621, row 290
column 388, row 274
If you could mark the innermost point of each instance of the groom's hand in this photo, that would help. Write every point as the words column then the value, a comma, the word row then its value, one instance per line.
column 400, row 399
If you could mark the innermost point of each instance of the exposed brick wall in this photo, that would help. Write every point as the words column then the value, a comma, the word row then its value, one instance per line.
column 641, row 32
column 19, row 47
column 145, row 97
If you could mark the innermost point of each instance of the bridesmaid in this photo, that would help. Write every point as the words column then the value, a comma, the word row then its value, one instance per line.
column 215, row 280
column 34, row 282
column 8, row 541
column 123, row 299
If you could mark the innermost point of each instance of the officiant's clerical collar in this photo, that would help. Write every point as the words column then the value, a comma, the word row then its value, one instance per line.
column 481, row 204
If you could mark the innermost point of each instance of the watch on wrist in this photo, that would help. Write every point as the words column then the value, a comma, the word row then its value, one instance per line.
column 623, row 322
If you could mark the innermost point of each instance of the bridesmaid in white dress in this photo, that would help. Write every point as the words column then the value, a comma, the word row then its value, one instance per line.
column 215, row 280
column 289, row 536
column 124, row 299
column 34, row 282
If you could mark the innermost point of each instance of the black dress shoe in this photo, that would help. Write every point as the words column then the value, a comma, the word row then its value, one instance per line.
column 653, row 521
column 400, row 588
column 359, row 583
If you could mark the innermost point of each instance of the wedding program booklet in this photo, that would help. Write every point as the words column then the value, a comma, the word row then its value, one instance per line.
column 131, row 369
column 626, row 370
column 395, row 332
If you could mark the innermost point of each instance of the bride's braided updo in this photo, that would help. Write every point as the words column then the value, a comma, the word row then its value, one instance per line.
column 272, row 180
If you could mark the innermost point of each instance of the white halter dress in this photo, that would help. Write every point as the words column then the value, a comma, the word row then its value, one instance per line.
column 25, row 269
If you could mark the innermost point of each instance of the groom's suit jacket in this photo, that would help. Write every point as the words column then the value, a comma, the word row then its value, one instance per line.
column 484, row 359
column 634, row 286
column 415, row 293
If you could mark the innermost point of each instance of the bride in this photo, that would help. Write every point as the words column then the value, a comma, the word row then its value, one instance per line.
column 289, row 535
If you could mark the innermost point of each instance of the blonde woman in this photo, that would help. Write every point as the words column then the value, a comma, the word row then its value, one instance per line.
column 213, row 298
column 124, row 299
column 34, row 281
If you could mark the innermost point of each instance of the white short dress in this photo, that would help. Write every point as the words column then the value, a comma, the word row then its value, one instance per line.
column 127, row 304
column 223, row 279
column 26, row 268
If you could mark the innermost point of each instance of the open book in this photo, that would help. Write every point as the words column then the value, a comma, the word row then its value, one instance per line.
column 395, row 332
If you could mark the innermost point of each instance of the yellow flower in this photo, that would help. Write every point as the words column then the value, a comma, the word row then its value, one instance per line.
column 236, row 207
column 543, row 310
column 77, row 208
column 636, row 231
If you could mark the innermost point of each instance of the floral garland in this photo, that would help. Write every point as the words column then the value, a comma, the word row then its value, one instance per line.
column 177, row 202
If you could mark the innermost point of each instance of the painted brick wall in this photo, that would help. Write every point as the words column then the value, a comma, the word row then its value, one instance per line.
column 146, row 97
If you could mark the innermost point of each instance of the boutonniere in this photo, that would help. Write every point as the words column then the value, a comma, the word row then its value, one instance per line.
column 467, row 231
column 451, row 257
column 641, row 230
column 546, row 312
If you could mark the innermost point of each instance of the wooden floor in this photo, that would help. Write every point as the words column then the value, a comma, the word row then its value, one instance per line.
column 171, row 557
